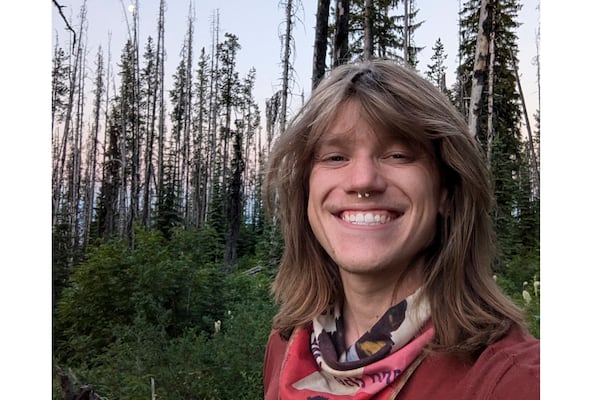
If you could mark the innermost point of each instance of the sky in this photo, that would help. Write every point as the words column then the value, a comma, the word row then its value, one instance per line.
column 258, row 26
column 569, row 168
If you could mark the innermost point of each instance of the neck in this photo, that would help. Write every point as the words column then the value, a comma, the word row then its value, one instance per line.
column 366, row 300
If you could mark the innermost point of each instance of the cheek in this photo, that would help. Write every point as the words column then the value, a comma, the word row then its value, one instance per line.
column 311, row 206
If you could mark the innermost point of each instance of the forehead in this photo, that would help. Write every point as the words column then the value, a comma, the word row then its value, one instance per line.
column 351, row 123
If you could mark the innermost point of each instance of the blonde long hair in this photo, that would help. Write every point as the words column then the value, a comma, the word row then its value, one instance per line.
column 468, row 309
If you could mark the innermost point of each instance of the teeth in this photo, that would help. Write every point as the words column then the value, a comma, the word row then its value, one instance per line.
column 366, row 218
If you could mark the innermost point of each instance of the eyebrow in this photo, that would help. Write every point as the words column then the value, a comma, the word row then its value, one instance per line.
column 333, row 139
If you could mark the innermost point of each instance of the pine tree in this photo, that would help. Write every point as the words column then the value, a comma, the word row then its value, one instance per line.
column 148, row 101
column 107, row 214
column 229, row 92
column 168, row 209
column 506, row 151
column 181, row 118
column 60, row 90
column 377, row 29
column 232, row 170
column 410, row 25
column 200, row 120
column 212, row 162
column 436, row 71
column 129, row 140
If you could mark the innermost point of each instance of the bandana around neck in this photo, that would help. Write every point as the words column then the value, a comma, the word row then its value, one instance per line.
column 318, row 366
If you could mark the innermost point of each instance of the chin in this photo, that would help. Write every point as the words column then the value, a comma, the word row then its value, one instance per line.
column 363, row 267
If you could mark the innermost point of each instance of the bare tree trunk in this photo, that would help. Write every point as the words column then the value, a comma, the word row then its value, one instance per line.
column 368, row 45
column 537, row 64
column 234, row 201
column 187, row 122
column 74, row 191
column 153, row 104
column 320, row 49
column 213, row 110
column 93, row 153
column 287, row 51
column 58, row 173
column 460, row 74
column 106, row 143
column 536, row 172
column 490, row 101
column 160, row 170
column 136, row 131
column 199, row 167
column 406, row 43
column 479, row 68
column 340, row 43
column 122, row 210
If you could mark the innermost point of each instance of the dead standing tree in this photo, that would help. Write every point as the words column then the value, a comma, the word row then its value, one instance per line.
column 479, row 67
column 59, row 7
column 368, row 44
column 490, row 97
column 320, row 49
column 287, row 55
column 340, row 41
column 59, row 164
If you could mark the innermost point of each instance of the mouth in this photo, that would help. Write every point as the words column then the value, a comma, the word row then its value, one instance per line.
column 368, row 217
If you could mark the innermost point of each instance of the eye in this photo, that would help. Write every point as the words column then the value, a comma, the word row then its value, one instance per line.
column 330, row 157
column 399, row 157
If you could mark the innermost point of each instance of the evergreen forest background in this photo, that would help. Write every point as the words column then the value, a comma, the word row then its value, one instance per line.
column 162, row 254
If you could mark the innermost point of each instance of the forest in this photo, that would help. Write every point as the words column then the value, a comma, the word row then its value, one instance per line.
column 162, row 252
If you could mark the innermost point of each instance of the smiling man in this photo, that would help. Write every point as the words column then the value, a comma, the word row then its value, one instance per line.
column 385, row 286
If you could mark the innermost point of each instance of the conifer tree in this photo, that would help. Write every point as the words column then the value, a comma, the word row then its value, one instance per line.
column 201, row 145
column 212, row 161
column 436, row 71
column 107, row 208
column 378, row 27
column 506, row 149
column 148, row 102
column 235, row 98
column 129, row 137
column 60, row 90
column 410, row 25
column 229, row 86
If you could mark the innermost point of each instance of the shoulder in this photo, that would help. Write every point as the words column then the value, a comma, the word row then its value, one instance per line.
column 274, row 356
column 510, row 368
column 506, row 369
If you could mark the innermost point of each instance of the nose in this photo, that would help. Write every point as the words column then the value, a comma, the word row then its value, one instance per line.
column 365, row 175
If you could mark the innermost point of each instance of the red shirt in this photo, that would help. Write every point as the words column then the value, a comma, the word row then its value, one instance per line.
column 507, row 370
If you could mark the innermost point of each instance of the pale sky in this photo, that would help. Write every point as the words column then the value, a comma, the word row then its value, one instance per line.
column 257, row 24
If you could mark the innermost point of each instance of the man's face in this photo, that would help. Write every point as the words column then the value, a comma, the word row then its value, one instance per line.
column 389, row 228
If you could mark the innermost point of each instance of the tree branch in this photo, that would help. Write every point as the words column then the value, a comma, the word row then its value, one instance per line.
column 59, row 7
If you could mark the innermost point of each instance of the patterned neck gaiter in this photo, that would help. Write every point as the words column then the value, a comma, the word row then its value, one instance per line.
column 319, row 366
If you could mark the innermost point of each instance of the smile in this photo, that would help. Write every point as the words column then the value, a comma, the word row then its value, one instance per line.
column 367, row 218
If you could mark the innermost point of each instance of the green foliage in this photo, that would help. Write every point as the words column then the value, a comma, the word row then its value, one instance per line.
column 516, row 212
column 523, row 274
column 168, row 213
column 151, row 311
